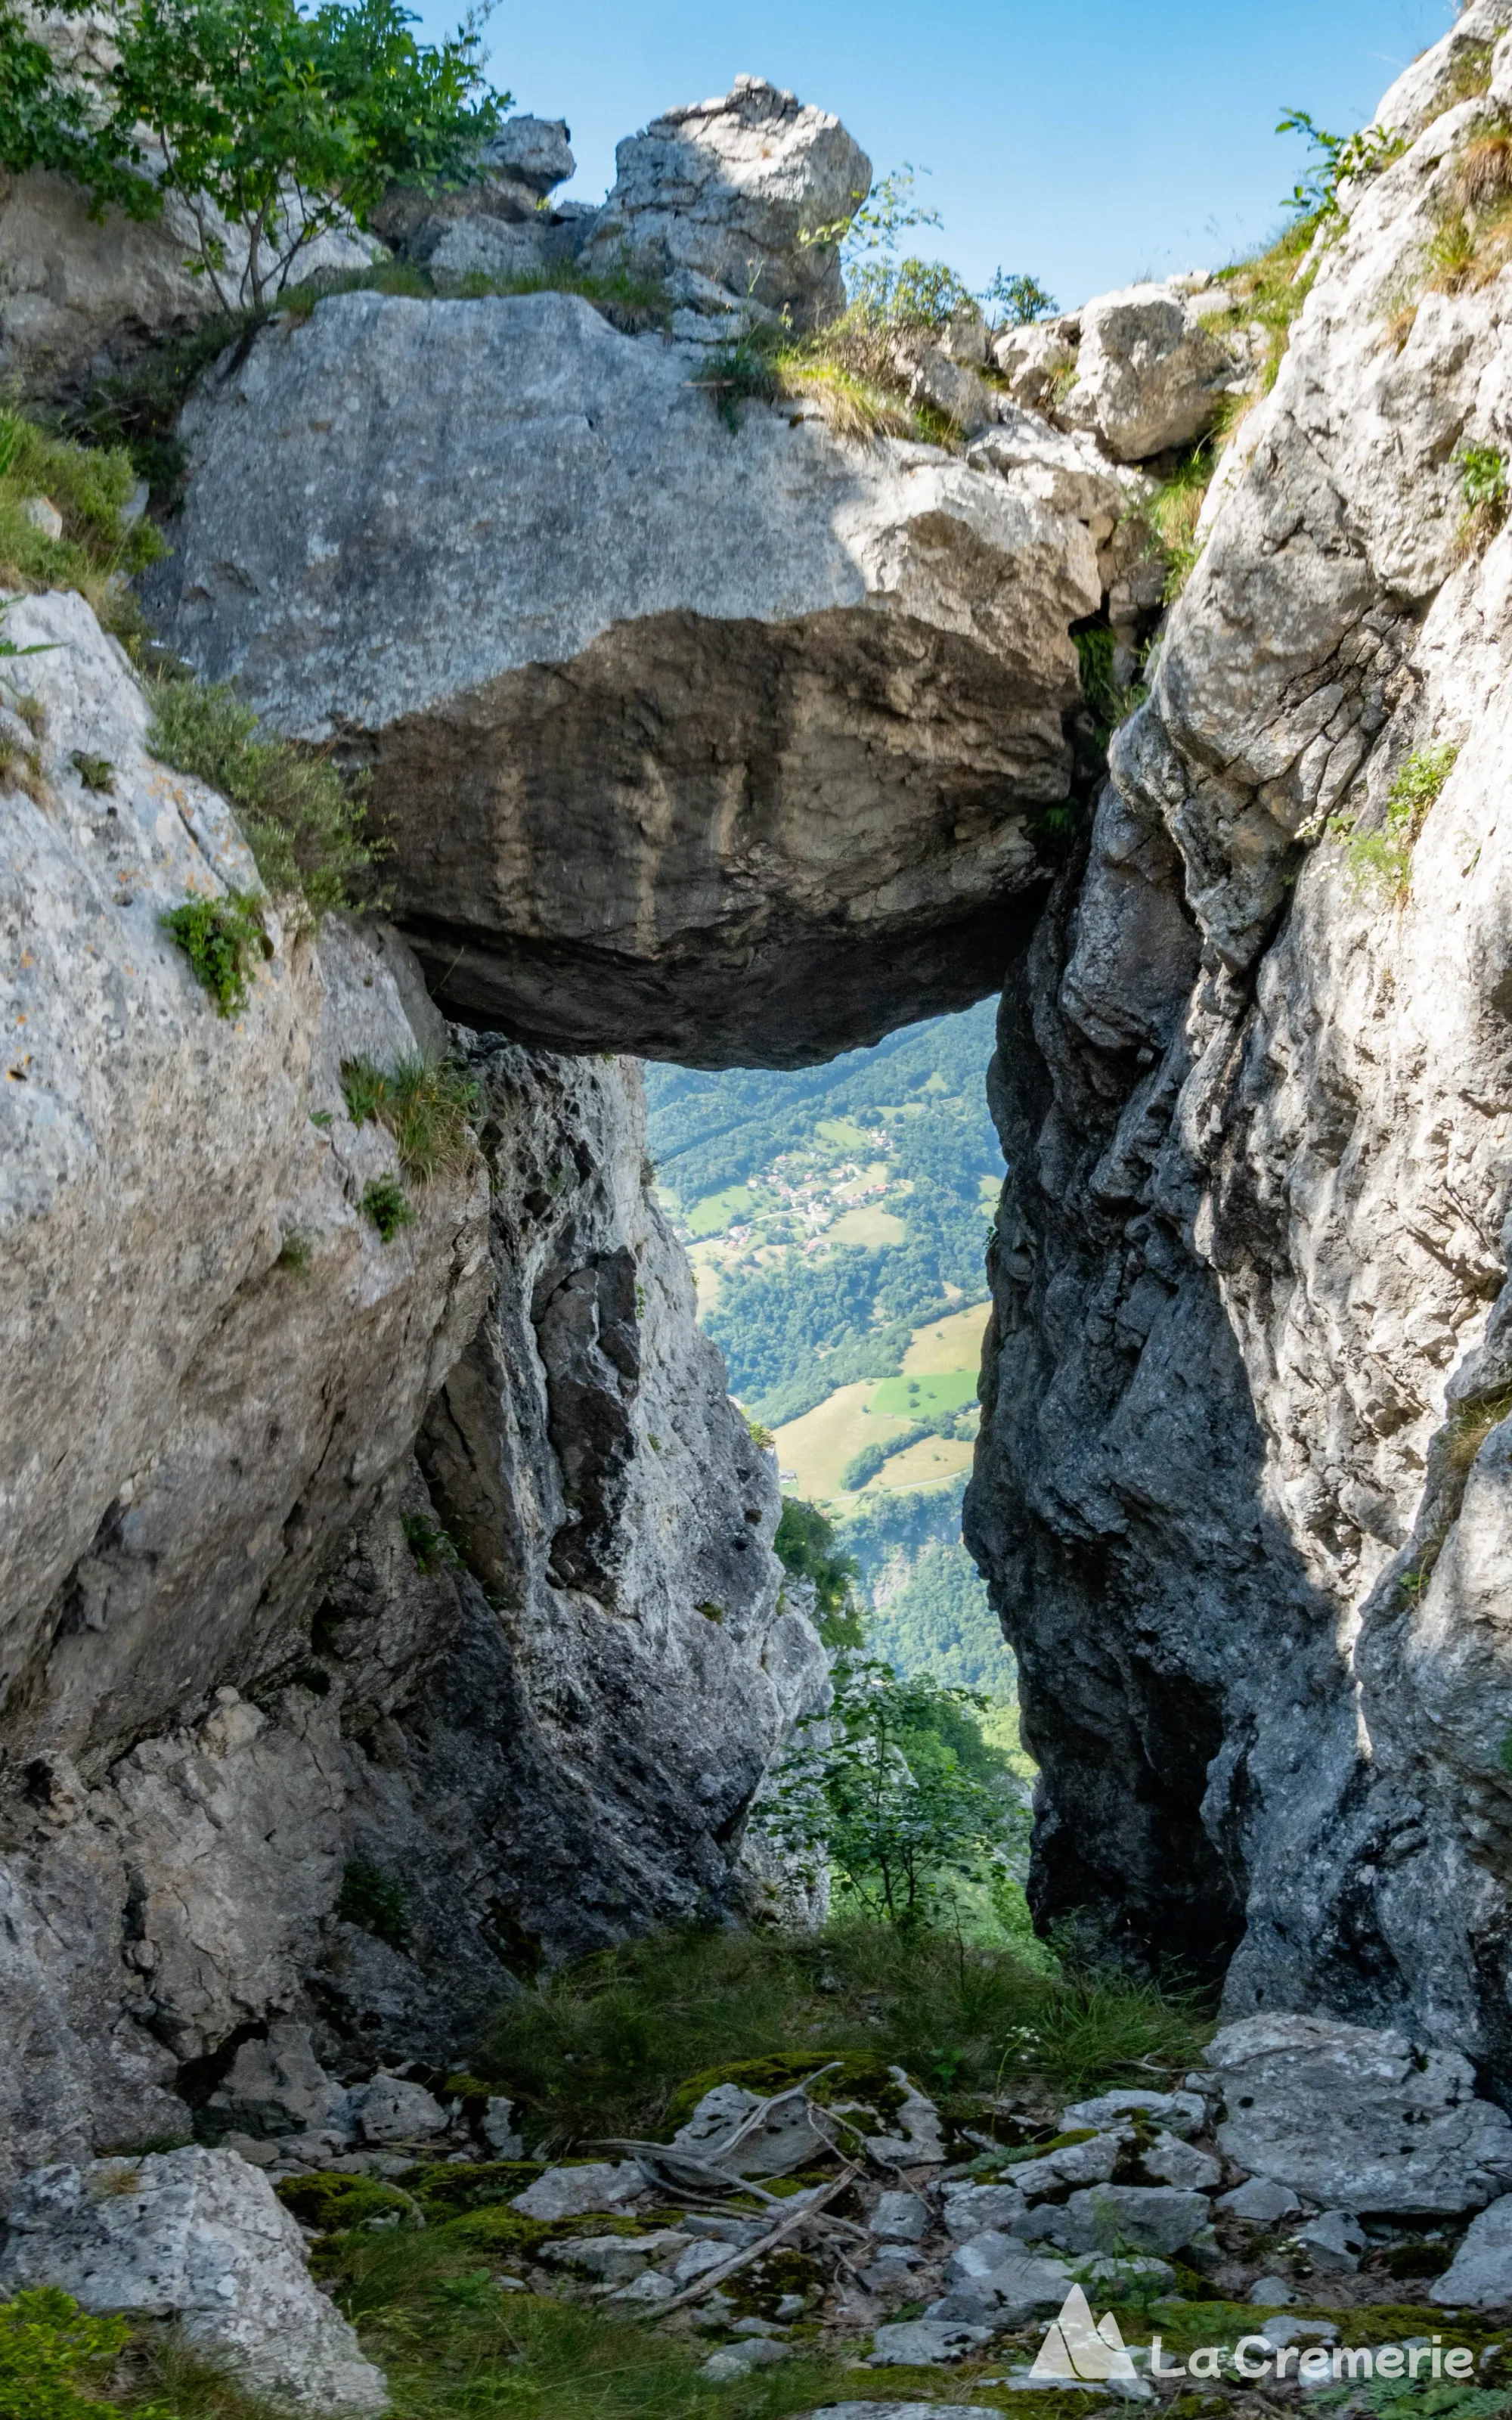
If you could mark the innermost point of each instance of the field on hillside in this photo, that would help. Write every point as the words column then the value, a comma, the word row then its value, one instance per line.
column 836, row 1219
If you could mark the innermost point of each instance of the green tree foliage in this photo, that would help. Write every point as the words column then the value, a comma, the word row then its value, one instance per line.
column 897, row 1792
column 805, row 1546
column 288, row 124
column 46, row 123
column 1016, row 300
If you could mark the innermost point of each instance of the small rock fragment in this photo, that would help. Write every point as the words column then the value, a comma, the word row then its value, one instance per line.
column 1261, row 2201
column 573, row 2192
column 922, row 2342
column 1480, row 2274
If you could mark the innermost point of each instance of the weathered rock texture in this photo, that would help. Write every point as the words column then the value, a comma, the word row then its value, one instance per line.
column 720, row 747
column 195, row 2236
column 1251, row 1254
column 727, row 189
column 242, row 1660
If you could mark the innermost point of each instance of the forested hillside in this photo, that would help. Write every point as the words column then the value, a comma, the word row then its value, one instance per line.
column 832, row 1211
column 837, row 1219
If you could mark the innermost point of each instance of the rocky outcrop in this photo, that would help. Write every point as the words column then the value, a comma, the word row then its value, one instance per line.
column 275, row 1744
column 723, row 747
column 1241, row 1485
column 82, row 299
column 726, row 191
column 195, row 2236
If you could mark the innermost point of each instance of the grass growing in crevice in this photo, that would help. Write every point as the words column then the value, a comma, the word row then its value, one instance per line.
column 1483, row 480
column 848, row 371
column 1470, row 1424
column 600, row 2047
column 1269, row 290
column 427, row 1105
column 302, row 822
column 91, row 488
column 1172, row 512
column 1384, row 854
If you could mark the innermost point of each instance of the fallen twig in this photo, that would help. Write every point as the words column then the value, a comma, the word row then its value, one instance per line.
column 809, row 2208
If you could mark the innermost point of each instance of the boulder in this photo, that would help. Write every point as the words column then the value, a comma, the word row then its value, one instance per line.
column 996, row 2276
column 1332, row 2240
column 1358, row 2119
column 572, row 2192
column 736, row 2361
column 969, row 2209
column 1148, row 2218
column 1175, row 2163
column 390, row 2110
column 615, row 2258
column 906, row 2136
column 911, row 2343
column 785, row 706
column 784, row 2142
column 196, row 2237
column 278, row 2087
column 1078, row 2164
column 1038, row 360
column 536, row 151
column 1179, row 2113
column 726, row 187
column 899, row 2218
column 499, row 2130
column 1260, row 2202
column 1479, row 2277
column 1150, row 374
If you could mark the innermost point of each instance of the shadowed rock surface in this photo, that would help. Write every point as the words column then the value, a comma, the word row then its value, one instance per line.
column 1242, row 1480
column 720, row 747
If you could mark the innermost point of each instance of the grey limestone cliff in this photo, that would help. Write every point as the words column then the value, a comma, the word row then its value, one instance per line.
column 246, row 1653
column 1242, row 1487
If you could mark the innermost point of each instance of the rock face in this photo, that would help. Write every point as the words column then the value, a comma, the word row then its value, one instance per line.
column 724, row 189
column 1356, row 2119
column 720, row 748
column 248, row 1675
column 81, row 299
column 196, row 2237
column 1243, row 1486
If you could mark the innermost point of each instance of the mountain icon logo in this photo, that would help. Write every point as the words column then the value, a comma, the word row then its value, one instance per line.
column 1075, row 2348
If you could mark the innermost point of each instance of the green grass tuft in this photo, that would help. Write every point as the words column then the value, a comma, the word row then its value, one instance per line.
column 302, row 823
column 51, row 2354
column 222, row 939
column 427, row 1105
column 374, row 1901
column 1385, row 855
column 601, row 2048
column 386, row 1205
column 90, row 487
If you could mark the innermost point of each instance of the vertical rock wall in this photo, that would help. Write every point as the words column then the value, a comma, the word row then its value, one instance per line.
column 1242, row 1482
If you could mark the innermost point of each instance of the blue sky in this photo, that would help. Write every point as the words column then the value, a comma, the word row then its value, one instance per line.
column 1090, row 144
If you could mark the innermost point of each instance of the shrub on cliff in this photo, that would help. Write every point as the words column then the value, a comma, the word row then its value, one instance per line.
column 302, row 823
column 50, row 2352
column 286, row 124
